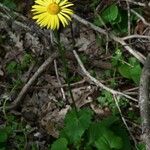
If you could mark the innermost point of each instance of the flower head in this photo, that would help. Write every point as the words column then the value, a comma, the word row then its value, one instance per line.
column 49, row 13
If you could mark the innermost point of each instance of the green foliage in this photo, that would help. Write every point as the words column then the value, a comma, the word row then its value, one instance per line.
column 106, row 100
column 116, row 17
column 104, row 136
column 76, row 124
column 113, row 16
column 16, row 69
column 59, row 144
column 80, row 132
column 129, row 69
column 141, row 146
column 9, row 3
column 7, row 132
column 108, row 141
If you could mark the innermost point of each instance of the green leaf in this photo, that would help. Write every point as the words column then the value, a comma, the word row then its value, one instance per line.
column 141, row 146
column 131, row 70
column 109, row 121
column 136, row 70
column 124, row 70
column 121, row 132
column 76, row 124
column 110, row 14
column 116, row 142
column 136, row 73
column 11, row 67
column 94, row 132
column 60, row 144
column 109, row 141
column 96, row 129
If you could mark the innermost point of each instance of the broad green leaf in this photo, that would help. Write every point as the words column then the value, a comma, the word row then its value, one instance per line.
column 141, row 146
column 97, row 129
column 121, row 132
column 110, row 13
column 131, row 71
column 109, row 141
column 60, row 144
column 76, row 124
column 124, row 70
column 136, row 70
column 109, row 121
column 136, row 73
column 101, row 144
column 94, row 132
column 116, row 142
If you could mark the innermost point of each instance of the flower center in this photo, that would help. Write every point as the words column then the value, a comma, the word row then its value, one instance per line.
column 53, row 8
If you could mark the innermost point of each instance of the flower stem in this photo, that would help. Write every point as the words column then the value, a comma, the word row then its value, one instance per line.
column 62, row 52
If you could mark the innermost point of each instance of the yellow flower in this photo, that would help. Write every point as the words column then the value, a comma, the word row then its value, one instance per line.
column 48, row 13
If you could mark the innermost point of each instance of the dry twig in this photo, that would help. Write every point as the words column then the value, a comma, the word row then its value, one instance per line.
column 98, row 83
column 139, row 56
column 140, row 17
column 58, row 79
column 26, row 87
column 124, row 121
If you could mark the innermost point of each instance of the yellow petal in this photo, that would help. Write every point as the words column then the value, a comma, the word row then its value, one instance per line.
column 63, row 2
column 39, row 9
column 63, row 20
column 57, row 1
column 68, row 11
column 68, row 5
column 65, row 15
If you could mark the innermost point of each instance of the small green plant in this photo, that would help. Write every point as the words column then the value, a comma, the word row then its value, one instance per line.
column 9, row 3
column 12, row 130
column 16, row 69
column 129, row 69
column 80, row 132
column 106, row 100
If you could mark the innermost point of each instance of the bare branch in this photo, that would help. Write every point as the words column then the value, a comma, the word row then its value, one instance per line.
column 140, row 57
column 98, row 83
column 26, row 87
column 140, row 17
column 136, row 36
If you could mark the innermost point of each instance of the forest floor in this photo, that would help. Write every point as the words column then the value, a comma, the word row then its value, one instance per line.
column 83, row 92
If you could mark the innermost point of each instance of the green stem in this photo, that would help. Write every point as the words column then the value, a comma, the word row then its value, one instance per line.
column 65, row 65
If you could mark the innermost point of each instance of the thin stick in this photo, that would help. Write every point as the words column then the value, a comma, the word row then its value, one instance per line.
column 59, row 82
column 136, row 36
column 140, row 17
column 139, row 56
column 124, row 121
column 136, row 3
column 129, row 17
column 26, row 87
column 98, row 83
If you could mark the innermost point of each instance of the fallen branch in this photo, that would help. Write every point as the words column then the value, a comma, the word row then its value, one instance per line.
column 144, row 102
column 140, row 17
column 26, row 87
column 97, row 82
column 139, row 56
